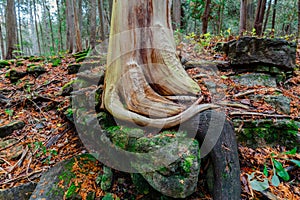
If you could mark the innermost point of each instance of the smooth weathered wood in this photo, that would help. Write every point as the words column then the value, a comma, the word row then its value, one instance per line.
column 142, row 66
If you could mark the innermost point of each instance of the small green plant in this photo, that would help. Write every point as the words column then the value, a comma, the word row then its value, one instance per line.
column 41, row 150
column 278, row 171
column 9, row 112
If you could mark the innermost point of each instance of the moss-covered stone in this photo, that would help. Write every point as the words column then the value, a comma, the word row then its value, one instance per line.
column 36, row 59
column 73, row 68
column 14, row 75
column 105, row 178
column 4, row 63
column 56, row 183
column 268, row 131
column 37, row 70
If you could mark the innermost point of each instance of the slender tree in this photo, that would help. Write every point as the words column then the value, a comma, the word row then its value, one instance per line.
column 2, row 42
column 267, row 15
column 298, row 30
column 11, row 36
column 243, row 16
column 274, row 17
column 20, row 25
column 60, row 43
column 259, row 17
column 101, row 17
column 77, row 30
column 93, row 13
column 36, row 27
column 70, row 25
column 176, row 14
column 205, row 17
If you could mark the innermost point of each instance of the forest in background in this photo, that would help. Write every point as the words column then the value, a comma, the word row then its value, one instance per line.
column 47, row 27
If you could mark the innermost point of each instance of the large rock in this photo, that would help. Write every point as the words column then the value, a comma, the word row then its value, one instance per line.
column 21, row 192
column 6, row 130
column 56, row 183
column 253, row 50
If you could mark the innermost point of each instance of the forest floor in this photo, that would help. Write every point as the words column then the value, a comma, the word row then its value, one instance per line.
column 48, row 137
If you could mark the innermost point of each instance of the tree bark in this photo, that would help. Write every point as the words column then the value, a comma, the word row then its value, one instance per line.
column 260, row 12
column 93, row 13
column 77, row 30
column 70, row 25
column 36, row 27
column 205, row 17
column 20, row 26
column 142, row 68
column 101, row 17
column 11, row 36
column 243, row 15
column 298, row 30
column 176, row 14
column 60, row 43
column 267, row 15
column 2, row 42
column 274, row 17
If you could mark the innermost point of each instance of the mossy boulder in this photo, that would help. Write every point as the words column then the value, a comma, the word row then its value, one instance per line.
column 174, row 176
column 267, row 131
column 7, row 129
column 14, row 75
column 57, row 182
column 37, row 70
column 73, row 68
column 4, row 63
column 36, row 59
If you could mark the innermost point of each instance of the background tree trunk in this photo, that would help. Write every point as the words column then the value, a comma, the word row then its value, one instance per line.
column 93, row 13
column 274, row 17
column 11, row 36
column 243, row 16
column 20, row 26
column 259, row 17
column 298, row 33
column 176, row 14
column 60, row 43
column 2, row 42
column 267, row 15
column 70, row 25
column 77, row 30
column 101, row 17
column 205, row 17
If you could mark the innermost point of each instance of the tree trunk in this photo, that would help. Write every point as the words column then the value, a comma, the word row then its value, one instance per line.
column 20, row 26
column 60, row 43
column 2, row 43
column 47, row 12
column 274, row 17
column 220, row 14
column 36, row 27
column 102, row 24
column 70, row 25
column 243, row 15
column 259, row 17
column 267, row 15
column 93, row 12
column 176, row 14
column 298, row 32
column 11, row 37
column 205, row 17
column 77, row 30
column 142, row 68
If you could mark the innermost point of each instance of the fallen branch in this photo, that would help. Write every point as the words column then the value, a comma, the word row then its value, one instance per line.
column 256, row 90
column 234, row 105
column 259, row 114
